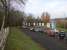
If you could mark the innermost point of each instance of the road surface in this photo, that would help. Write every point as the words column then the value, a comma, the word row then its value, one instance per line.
column 45, row 41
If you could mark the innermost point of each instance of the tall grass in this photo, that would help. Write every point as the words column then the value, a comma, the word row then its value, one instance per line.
column 17, row 40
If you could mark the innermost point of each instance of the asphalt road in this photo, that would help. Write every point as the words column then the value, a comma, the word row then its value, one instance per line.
column 49, row 43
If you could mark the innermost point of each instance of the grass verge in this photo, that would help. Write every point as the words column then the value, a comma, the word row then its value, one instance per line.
column 17, row 40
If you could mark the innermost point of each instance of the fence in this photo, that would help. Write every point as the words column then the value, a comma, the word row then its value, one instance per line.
column 3, row 37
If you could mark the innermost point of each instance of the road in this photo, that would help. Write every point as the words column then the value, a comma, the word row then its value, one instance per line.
column 45, row 41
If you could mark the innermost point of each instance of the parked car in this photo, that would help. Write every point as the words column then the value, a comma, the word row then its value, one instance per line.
column 61, row 35
column 31, row 29
column 50, row 32
column 25, row 27
column 38, row 29
column 42, row 28
column 56, row 32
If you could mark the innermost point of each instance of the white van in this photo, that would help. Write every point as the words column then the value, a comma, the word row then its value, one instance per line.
column 39, row 28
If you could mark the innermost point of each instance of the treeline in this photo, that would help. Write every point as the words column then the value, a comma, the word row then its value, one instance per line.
column 12, row 17
column 15, row 18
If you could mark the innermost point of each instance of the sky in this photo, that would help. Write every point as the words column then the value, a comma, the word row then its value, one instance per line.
column 56, row 8
column 17, row 5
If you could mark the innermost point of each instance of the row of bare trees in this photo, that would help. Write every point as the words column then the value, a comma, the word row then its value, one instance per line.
column 8, row 15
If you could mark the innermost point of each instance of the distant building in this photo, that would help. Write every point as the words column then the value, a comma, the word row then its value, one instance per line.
column 62, row 22
column 53, row 24
column 45, row 17
column 59, row 22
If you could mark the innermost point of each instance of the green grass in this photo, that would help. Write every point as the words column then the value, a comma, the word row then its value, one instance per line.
column 17, row 40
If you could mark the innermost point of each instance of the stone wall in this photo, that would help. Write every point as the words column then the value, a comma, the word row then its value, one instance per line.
column 3, row 37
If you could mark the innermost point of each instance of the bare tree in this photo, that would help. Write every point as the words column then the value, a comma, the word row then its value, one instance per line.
column 6, row 6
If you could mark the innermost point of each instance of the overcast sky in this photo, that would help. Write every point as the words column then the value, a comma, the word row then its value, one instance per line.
column 17, row 6
column 56, row 8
